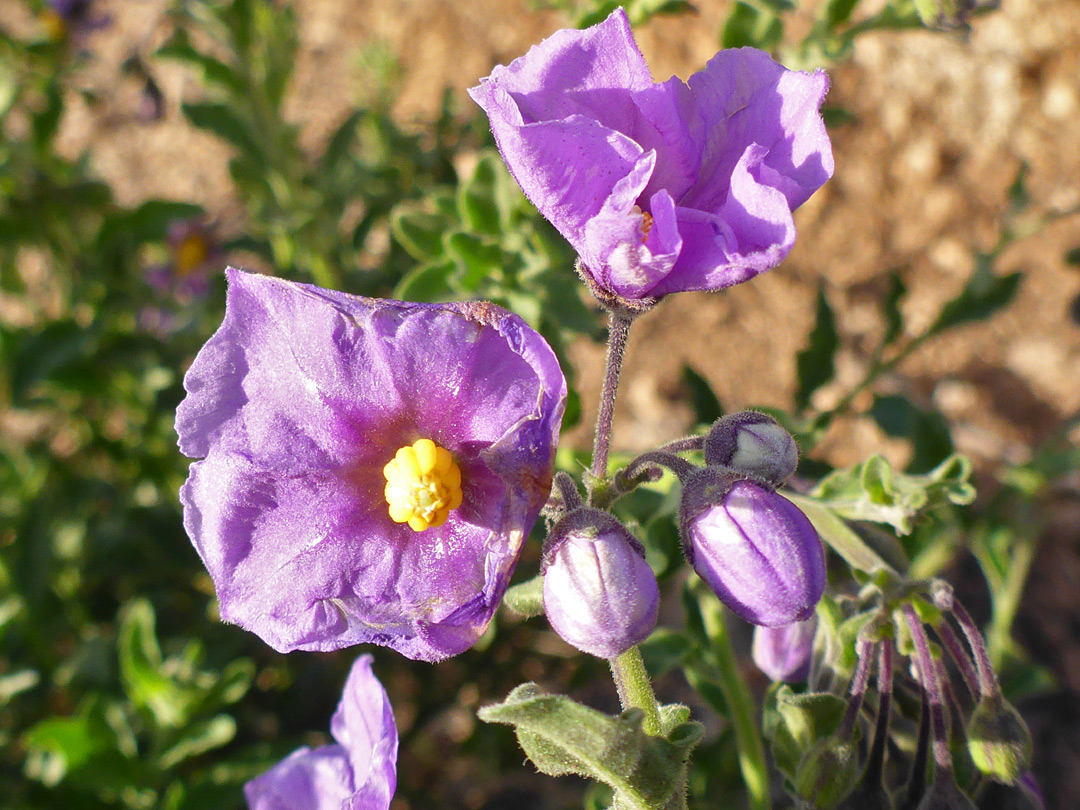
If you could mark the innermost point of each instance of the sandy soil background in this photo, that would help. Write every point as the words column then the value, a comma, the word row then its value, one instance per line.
column 941, row 126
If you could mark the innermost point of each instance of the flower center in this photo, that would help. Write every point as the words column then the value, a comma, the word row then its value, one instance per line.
column 190, row 254
column 422, row 485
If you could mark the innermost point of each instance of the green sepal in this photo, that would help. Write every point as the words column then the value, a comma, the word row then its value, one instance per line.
column 793, row 723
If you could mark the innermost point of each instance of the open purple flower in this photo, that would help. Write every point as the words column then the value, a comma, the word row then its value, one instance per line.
column 370, row 469
column 667, row 187
column 359, row 772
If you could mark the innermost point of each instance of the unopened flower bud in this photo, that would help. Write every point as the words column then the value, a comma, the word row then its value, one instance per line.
column 599, row 593
column 999, row 741
column 783, row 653
column 752, row 444
column 754, row 548
column 827, row 773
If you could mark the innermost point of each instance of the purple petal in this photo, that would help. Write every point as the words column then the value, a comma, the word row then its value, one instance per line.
column 299, row 401
column 307, row 779
column 364, row 726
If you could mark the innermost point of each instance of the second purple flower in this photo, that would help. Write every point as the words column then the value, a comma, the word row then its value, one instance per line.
column 369, row 469
column 660, row 188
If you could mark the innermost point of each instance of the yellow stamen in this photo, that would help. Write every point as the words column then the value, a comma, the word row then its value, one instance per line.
column 423, row 484
column 190, row 254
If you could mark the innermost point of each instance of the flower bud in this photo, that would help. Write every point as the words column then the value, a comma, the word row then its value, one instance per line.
column 754, row 548
column 599, row 593
column 783, row 653
column 999, row 741
column 827, row 773
column 752, row 444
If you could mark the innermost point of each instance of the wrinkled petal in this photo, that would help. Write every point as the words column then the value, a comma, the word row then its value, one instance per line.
column 732, row 153
column 307, row 779
column 299, row 401
column 364, row 726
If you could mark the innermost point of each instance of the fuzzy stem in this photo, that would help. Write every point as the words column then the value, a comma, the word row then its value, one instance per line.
column 568, row 492
column 657, row 458
column 875, row 762
column 917, row 779
column 618, row 332
column 635, row 688
column 928, row 676
column 959, row 655
column 752, row 763
column 988, row 683
column 865, row 650
column 683, row 445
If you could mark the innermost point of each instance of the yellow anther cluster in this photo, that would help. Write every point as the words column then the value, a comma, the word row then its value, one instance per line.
column 191, row 253
column 422, row 485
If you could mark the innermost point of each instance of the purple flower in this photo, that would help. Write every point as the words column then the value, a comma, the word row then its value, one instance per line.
column 599, row 593
column 370, row 468
column 194, row 253
column 359, row 772
column 783, row 653
column 660, row 188
column 64, row 18
column 756, row 549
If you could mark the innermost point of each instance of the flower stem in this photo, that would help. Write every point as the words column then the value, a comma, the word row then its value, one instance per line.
column 928, row 678
column 635, row 688
column 741, row 703
column 618, row 332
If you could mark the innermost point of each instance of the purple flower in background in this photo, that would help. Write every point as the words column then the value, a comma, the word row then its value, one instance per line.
column 194, row 253
column 370, row 469
column 359, row 772
column 599, row 593
column 64, row 18
column 660, row 188
column 784, row 653
column 757, row 551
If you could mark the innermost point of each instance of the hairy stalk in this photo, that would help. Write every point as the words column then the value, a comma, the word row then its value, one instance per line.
column 741, row 703
column 988, row 683
column 865, row 651
column 683, row 445
column 875, row 761
column 635, row 688
column 618, row 332
column 959, row 656
column 928, row 676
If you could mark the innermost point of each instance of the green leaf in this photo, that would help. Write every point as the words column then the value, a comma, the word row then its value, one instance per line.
column 748, row 26
column 890, row 308
column 476, row 259
column 148, row 222
column 44, row 123
column 214, row 71
column 526, row 598
column 793, row 723
column 419, row 232
column 707, row 408
column 221, row 120
column 927, row 430
column 140, row 668
column 198, row 738
column 982, row 296
column 838, row 12
column 488, row 197
column 874, row 491
column 560, row 736
column 815, row 364
column 840, row 537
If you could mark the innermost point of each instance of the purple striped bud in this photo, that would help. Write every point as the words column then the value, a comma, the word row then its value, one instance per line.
column 599, row 593
column 754, row 548
column 783, row 653
column 754, row 445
